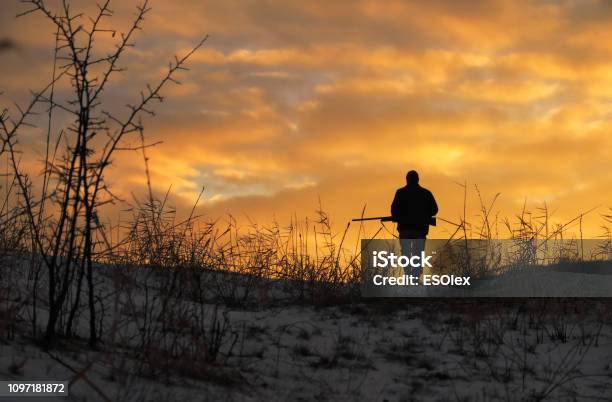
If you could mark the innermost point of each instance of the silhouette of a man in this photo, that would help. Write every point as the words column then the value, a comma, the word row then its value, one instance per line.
column 413, row 208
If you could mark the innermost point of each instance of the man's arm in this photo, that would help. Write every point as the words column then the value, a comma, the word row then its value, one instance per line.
column 395, row 207
column 433, row 205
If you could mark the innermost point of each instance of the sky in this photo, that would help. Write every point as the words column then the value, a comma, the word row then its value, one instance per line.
column 292, row 103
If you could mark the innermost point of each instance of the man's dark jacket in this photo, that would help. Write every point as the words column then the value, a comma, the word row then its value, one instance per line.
column 413, row 207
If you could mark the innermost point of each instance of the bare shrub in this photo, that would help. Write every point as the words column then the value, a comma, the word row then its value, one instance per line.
column 62, row 213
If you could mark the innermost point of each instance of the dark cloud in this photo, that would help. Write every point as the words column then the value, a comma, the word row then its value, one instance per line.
column 7, row 44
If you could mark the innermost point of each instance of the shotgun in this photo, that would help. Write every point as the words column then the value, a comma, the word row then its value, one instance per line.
column 432, row 220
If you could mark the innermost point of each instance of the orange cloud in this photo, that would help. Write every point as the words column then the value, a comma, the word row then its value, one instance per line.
column 291, row 101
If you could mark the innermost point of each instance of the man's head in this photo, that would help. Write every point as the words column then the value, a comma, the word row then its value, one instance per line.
column 412, row 178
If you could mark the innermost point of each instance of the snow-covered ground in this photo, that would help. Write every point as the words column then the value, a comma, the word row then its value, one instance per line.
column 398, row 350
column 169, row 336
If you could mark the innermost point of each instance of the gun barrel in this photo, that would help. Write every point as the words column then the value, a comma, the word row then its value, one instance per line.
column 432, row 220
column 376, row 218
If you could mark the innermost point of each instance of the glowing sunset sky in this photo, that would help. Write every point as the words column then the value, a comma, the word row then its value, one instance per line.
column 289, row 101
